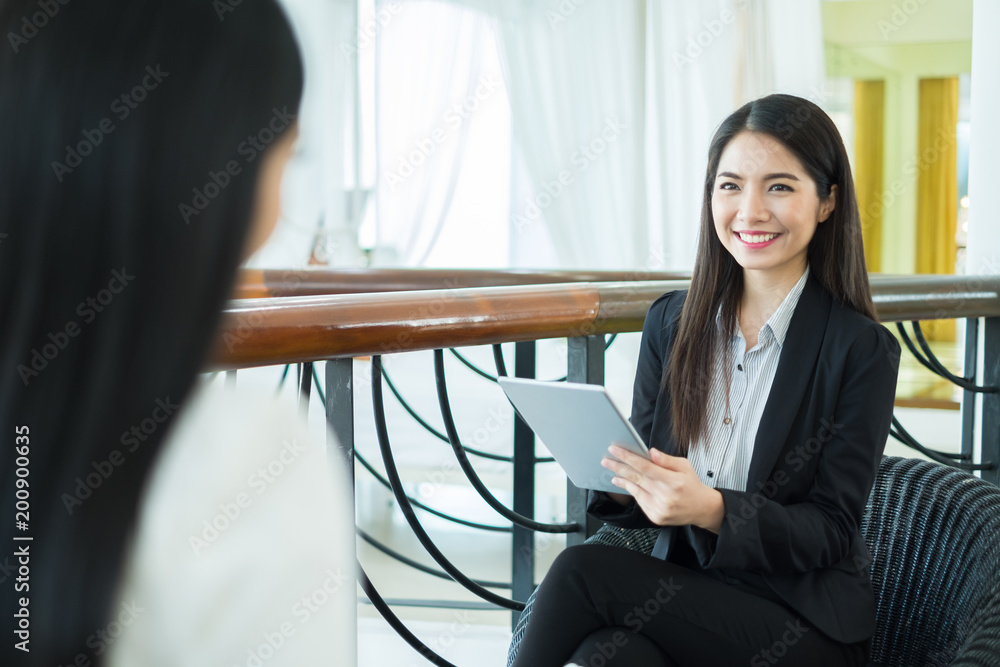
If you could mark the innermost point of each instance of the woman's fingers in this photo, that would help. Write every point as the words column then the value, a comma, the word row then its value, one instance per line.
column 621, row 469
column 628, row 458
column 651, row 506
column 664, row 460
column 648, row 466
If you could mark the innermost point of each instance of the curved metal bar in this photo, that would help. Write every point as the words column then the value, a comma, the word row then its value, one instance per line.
column 502, row 369
column 392, row 553
column 501, row 372
column 396, row 624
column 404, row 504
column 412, row 413
column 913, row 350
column 470, row 472
column 962, row 382
column 935, row 366
column 441, row 436
column 471, row 366
column 498, row 360
column 416, row 503
column 907, row 439
column 929, row 453
column 281, row 382
column 904, row 437
column 479, row 371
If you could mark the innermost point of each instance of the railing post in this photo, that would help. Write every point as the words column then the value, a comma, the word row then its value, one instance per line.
column 340, row 410
column 585, row 363
column 305, row 386
column 991, row 401
column 523, row 539
column 969, row 397
column 339, row 406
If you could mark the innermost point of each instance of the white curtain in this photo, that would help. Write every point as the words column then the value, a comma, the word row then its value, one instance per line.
column 421, row 122
column 574, row 76
column 668, row 71
column 316, row 220
column 613, row 105
column 706, row 59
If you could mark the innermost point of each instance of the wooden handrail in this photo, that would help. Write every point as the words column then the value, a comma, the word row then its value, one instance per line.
column 262, row 332
column 258, row 283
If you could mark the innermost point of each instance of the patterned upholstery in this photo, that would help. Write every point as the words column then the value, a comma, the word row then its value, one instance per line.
column 934, row 535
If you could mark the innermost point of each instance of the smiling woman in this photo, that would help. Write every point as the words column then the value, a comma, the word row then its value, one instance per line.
column 776, row 336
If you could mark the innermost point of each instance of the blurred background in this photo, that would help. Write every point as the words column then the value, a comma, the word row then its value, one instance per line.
column 435, row 132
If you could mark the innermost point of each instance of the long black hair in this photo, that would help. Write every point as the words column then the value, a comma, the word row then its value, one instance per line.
column 131, row 133
column 835, row 253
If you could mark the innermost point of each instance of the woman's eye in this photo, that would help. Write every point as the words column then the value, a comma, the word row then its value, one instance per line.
column 781, row 187
column 728, row 186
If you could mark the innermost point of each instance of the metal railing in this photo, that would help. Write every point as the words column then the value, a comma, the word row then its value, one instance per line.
column 499, row 307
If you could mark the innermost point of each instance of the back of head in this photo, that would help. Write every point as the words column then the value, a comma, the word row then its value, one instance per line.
column 131, row 134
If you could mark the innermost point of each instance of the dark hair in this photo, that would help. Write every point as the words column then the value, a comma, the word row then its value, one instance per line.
column 131, row 135
column 835, row 253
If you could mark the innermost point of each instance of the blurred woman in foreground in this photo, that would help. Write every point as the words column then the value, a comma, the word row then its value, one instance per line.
column 141, row 146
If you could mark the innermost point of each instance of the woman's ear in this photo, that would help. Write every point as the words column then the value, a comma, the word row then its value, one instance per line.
column 827, row 205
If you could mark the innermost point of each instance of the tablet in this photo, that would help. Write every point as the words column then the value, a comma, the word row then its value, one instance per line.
column 577, row 423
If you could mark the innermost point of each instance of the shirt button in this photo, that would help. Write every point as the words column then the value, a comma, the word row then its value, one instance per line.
column 711, row 474
column 726, row 420
column 739, row 367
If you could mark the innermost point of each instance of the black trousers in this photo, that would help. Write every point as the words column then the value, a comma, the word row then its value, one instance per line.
column 601, row 606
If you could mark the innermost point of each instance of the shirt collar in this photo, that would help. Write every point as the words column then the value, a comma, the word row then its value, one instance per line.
column 780, row 318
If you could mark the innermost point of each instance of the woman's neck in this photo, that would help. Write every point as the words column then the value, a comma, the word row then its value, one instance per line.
column 763, row 291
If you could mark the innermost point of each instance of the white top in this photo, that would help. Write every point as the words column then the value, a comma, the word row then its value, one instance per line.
column 245, row 552
column 725, row 462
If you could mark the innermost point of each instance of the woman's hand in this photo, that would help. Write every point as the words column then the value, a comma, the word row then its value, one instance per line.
column 667, row 488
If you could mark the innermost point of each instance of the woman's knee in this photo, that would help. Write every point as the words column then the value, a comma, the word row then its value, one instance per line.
column 572, row 570
column 580, row 557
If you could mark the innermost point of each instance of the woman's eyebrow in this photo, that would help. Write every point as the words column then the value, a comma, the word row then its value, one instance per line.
column 769, row 177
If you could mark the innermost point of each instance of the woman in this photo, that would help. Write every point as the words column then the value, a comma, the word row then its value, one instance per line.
column 141, row 146
column 765, row 392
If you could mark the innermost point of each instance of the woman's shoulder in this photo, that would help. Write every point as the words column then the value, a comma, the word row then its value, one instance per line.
column 855, row 330
column 228, row 444
column 245, row 513
column 667, row 305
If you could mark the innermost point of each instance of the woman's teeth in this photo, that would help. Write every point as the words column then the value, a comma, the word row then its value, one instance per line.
column 757, row 238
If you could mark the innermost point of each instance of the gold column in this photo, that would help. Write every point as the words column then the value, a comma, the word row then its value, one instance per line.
column 869, row 139
column 937, row 187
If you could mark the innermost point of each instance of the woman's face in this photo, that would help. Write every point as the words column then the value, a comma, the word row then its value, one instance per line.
column 765, row 205
column 267, row 200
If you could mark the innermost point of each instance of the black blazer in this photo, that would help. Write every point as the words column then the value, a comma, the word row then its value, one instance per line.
column 795, row 532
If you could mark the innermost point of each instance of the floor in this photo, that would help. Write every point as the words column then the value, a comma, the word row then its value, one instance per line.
column 484, row 418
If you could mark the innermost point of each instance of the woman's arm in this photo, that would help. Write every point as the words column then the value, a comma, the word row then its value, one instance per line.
column 620, row 509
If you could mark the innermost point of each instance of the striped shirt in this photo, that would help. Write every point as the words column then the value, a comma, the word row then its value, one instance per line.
column 725, row 463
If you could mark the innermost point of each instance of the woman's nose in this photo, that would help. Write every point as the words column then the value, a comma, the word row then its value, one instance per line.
column 752, row 206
